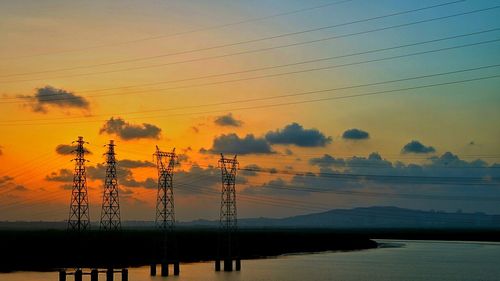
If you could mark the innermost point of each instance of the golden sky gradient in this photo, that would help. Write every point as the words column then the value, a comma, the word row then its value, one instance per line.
column 179, row 66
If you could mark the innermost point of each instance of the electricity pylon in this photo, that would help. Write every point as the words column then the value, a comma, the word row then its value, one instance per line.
column 228, row 215
column 228, row 218
column 79, row 219
column 165, row 212
column 110, row 212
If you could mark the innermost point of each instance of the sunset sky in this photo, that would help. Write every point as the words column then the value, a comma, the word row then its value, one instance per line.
column 328, row 104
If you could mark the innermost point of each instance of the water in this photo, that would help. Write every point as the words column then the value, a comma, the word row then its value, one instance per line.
column 406, row 260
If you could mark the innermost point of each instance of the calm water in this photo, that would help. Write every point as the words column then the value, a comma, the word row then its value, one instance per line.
column 410, row 260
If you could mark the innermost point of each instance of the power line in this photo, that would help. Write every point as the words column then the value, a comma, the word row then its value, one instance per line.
column 293, row 188
column 274, row 37
column 277, row 74
column 188, row 31
column 273, row 97
column 294, row 102
column 379, row 177
column 279, row 202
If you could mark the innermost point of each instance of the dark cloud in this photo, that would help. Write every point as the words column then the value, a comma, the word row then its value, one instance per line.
column 126, row 191
column 188, row 181
column 126, row 163
column 295, row 134
column 125, row 176
column 182, row 158
column 8, row 182
column 278, row 187
column 4, row 180
column 63, row 175
column 417, row 147
column 66, row 149
column 233, row 144
column 127, row 131
column 438, row 174
column 250, row 170
column 196, row 178
column 327, row 161
column 355, row 134
column 288, row 151
column 67, row 186
column 50, row 96
column 228, row 120
column 20, row 188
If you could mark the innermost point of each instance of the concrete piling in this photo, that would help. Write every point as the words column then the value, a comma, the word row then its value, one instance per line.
column 110, row 274
column 238, row 264
column 62, row 275
column 228, row 264
column 164, row 269
column 78, row 275
column 217, row 265
column 124, row 274
column 152, row 270
column 176, row 268
column 94, row 275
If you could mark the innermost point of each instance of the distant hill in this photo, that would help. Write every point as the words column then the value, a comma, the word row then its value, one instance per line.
column 369, row 217
column 381, row 217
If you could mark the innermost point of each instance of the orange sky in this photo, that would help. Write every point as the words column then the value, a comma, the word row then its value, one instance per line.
column 173, row 65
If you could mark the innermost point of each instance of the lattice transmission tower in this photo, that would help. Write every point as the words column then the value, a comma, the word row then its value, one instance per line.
column 110, row 212
column 165, row 214
column 228, row 214
column 79, row 219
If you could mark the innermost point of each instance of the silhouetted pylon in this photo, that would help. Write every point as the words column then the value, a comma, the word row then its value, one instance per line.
column 110, row 212
column 165, row 212
column 79, row 218
column 228, row 215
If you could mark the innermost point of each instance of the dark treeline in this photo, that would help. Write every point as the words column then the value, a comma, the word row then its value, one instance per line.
column 54, row 249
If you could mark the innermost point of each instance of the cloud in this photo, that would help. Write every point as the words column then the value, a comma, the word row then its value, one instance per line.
column 276, row 186
column 125, row 176
column 417, row 147
column 295, row 134
column 1, row 151
column 67, row 186
column 442, row 175
column 250, row 170
column 233, row 144
column 8, row 182
column 327, row 161
column 189, row 181
column 63, row 175
column 197, row 179
column 355, row 134
column 127, row 131
column 182, row 158
column 4, row 180
column 228, row 120
column 126, row 163
column 51, row 96
column 20, row 188
column 66, row 149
